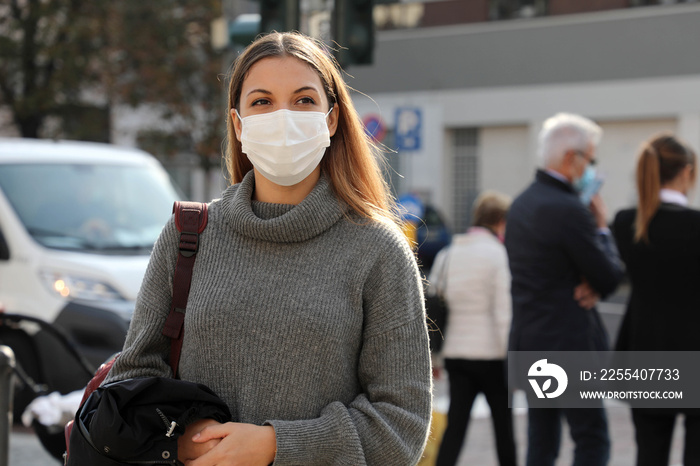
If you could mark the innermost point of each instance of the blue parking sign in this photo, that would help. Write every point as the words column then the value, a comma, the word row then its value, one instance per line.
column 408, row 128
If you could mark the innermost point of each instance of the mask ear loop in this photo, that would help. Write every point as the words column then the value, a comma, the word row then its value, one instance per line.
column 329, row 112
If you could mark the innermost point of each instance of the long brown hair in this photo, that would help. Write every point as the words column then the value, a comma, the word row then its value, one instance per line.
column 661, row 159
column 351, row 161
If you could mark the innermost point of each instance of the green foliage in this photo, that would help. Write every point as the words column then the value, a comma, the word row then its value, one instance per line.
column 58, row 55
column 45, row 50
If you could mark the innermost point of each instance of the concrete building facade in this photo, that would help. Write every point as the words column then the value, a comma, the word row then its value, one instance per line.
column 479, row 92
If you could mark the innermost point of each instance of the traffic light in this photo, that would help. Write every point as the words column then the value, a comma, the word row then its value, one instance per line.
column 243, row 29
column 279, row 15
column 353, row 31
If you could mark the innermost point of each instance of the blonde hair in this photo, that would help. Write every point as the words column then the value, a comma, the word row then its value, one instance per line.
column 351, row 162
column 490, row 209
column 661, row 159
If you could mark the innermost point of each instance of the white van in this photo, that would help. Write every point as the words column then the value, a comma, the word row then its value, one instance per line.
column 77, row 224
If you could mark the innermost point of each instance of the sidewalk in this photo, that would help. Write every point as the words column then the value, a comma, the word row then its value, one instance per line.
column 479, row 449
column 25, row 448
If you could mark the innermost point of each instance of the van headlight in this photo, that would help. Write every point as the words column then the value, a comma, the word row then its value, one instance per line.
column 76, row 287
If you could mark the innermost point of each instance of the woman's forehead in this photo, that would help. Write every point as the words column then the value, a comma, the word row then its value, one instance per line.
column 280, row 73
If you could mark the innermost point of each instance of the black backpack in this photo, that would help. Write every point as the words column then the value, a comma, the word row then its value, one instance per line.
column 138, row 421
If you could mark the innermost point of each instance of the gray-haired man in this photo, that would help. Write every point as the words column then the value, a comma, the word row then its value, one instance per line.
column 562, row 260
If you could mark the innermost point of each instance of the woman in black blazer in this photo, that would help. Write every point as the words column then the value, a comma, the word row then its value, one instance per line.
column 659, row 242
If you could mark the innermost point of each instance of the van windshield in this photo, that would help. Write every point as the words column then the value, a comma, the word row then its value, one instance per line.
column 99, row 208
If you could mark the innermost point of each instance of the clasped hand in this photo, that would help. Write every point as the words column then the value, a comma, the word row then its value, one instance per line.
column 585, row 295
column 209, row 443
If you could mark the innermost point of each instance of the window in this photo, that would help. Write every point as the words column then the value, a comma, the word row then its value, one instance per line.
column 90, row 207
column 512, row 9
column 659, row 2
column 465, row 181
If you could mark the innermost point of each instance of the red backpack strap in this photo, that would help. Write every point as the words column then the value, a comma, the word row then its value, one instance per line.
column 190, row 220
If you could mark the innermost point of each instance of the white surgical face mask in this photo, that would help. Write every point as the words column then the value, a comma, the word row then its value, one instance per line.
column 285, row 146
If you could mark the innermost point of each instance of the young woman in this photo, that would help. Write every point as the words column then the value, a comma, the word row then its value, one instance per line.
column 659, row 242
column 306, row 310
column 474, row 276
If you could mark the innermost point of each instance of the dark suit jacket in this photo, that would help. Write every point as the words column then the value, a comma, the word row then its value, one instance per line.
column 552, row 245
column 663, row 312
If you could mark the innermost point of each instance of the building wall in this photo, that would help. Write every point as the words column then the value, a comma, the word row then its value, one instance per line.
column 505, row 160
column 455, row 12
column 510, row 119
column 618, row 157
column 631, row 93
column 565, row 7
column 508, row 167
column 624, row 44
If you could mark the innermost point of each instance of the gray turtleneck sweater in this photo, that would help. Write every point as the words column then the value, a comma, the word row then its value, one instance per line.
column 308, row 318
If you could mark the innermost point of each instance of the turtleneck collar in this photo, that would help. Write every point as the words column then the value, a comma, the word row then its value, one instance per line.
column 281, row 223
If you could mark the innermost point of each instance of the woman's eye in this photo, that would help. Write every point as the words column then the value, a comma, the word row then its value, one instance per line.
column 260, row 102
column 307, row 100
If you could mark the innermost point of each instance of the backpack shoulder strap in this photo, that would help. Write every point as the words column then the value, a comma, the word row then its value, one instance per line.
column 190, row 220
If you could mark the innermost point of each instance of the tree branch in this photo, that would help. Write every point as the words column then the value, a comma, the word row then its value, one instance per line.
column 7, row 92
column 29, row 49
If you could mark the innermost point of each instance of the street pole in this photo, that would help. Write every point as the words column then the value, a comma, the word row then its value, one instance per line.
column 292, row 19
column 7, row 365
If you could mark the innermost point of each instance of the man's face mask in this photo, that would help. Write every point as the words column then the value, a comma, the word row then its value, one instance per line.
column 581, row 183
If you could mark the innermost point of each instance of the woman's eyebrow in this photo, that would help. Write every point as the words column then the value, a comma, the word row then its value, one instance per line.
column 261, row 91
column 301, row 89
column 306, row 88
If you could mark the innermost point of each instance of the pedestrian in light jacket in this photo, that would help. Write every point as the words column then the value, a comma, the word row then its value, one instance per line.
column 473, row 274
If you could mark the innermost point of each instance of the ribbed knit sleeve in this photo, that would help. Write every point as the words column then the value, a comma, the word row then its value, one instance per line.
column 387, row 423
column 146, row 350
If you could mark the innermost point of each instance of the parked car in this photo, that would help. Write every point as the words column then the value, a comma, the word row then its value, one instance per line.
column 432, row 235
column 77, row 224
column 424, row 225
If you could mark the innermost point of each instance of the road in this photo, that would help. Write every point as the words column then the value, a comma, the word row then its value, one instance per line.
column 479, row 449
column 27, row 450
